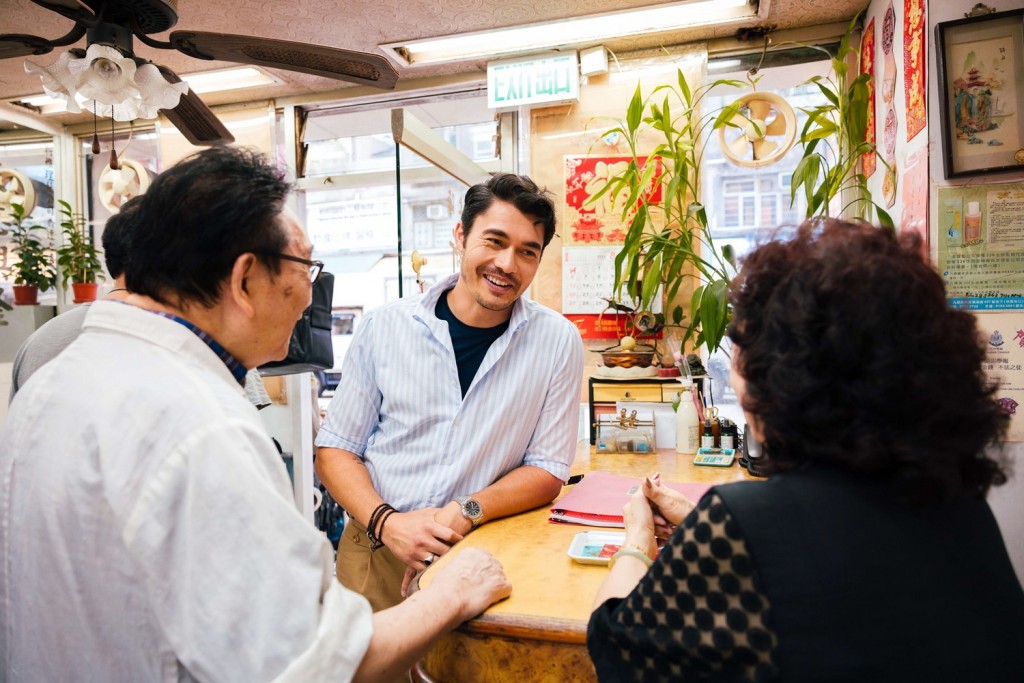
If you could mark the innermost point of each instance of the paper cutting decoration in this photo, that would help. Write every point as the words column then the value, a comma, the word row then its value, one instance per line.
column 914, row 66
column 599, row 223
column 867, row 66
column 891, row 124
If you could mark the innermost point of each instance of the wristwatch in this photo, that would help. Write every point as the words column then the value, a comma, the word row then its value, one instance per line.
column 471, row 509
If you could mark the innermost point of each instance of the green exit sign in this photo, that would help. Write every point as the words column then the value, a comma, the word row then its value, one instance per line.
column 541, row 79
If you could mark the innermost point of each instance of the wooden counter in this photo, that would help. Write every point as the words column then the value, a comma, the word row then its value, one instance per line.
column 539, row 633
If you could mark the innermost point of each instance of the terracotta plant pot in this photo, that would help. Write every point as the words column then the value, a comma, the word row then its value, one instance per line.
column 84, row 292
column 26, row 295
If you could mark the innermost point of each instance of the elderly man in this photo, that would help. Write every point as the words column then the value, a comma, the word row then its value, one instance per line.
column 147, row 530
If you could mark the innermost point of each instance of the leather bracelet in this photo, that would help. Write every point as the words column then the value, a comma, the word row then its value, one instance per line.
column 371, row 527
column 380, row 527
column 632, row 550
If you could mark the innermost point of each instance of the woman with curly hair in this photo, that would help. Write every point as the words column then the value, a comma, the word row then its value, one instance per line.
column 870, row 553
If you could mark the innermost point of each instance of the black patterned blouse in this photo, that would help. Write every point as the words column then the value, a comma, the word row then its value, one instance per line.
column 698, row 614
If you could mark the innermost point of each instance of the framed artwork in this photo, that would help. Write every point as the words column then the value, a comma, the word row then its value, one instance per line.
column 981, row 81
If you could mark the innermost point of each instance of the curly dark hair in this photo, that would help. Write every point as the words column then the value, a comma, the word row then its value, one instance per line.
column 518, row 190
column 852, row 357
column 198, row 217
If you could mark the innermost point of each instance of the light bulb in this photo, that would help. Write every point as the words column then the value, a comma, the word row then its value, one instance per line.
column 105, row 69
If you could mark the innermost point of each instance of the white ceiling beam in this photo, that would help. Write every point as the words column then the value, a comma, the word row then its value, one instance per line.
column 29, row 119
column 412, row 133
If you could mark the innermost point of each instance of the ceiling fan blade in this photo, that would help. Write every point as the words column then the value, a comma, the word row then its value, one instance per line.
column 194, row 119
column 764, row 148
column 777, row 126
column 759, row 109
column 72, row 9
column 740, row 147
column 20, row 45
column 344, row 65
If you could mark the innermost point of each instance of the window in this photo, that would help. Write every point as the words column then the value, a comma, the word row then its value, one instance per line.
column 746, row 205
column 26, row 178
column 353, row 212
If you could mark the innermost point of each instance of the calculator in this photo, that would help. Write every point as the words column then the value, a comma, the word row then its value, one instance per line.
column 714, row 457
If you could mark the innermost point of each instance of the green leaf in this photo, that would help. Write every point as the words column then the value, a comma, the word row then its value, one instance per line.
column 635, row 110
column 684, row 88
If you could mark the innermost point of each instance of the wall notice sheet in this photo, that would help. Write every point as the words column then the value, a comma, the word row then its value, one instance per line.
column 1004, row 362
column 981, row 246
column 588, row 276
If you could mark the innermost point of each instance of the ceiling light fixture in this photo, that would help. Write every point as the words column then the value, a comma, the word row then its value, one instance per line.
column 203, row 82
column 591, row 29
column 106, row 82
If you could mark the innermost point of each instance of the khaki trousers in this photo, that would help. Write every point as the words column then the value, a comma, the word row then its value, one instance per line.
column 376, row 575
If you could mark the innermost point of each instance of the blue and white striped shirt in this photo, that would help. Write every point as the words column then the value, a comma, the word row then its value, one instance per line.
column 399, row 405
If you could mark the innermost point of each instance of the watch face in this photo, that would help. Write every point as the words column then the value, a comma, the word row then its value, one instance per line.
column 472, row 509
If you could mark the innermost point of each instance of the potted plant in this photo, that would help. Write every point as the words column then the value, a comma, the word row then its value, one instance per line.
column 34, row 271
column 668, row 242
column 834, row 142
column 77, row 258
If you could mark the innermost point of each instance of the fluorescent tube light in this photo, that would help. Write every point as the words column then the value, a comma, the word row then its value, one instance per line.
column 590, row 29
column 227, row 79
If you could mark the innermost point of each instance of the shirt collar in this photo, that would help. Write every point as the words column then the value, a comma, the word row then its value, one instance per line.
column 428, row 302
column 237, row 370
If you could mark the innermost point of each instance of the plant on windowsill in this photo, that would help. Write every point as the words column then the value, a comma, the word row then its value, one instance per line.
column 834, row 142
column 33, row 272
column 77, row 258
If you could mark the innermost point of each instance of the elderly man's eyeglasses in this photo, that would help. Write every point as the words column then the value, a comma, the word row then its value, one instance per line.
column 315, row 267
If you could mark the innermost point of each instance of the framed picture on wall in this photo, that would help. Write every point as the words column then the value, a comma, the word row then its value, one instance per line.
column 981, row 84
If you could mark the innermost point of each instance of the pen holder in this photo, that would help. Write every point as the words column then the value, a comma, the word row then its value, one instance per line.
column 622, row 434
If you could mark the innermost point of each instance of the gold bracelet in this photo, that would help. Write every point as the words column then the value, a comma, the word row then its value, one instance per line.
column 633, row 550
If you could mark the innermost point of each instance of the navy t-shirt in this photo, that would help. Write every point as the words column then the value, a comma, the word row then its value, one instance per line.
column 470, row 343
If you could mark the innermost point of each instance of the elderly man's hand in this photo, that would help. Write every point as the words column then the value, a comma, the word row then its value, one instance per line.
column 474, row 577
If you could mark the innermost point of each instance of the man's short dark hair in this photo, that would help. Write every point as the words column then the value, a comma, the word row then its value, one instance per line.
column 198, row 217
column 117, row 237
column 517, row 190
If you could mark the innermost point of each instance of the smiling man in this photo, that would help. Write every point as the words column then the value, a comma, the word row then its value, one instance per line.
column 455, row 407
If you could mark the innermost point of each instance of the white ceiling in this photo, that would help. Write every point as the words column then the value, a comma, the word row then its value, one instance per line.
column 363, row 25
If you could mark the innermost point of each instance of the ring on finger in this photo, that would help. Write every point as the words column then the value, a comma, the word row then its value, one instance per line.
column 428, row 560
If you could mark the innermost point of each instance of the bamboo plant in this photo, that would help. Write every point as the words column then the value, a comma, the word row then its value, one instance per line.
column 668, row 241
column 834, row 142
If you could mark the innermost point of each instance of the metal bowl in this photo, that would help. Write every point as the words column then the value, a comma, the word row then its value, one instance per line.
column 627, row 359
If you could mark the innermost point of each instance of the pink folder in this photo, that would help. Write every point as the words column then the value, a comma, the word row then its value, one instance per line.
column 597, row 500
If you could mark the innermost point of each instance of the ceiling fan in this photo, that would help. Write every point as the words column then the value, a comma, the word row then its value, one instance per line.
column 114, row 23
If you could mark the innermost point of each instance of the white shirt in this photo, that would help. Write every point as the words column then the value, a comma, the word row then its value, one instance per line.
column 400, row 406
column 147, row 528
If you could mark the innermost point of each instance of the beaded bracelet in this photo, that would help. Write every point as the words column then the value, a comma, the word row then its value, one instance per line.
column 632, row 550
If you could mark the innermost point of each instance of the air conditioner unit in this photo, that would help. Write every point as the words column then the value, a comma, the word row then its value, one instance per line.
column 437, row 211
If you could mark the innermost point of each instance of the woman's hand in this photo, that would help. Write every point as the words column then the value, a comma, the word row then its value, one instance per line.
column 670, row 506
column 639, row 522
